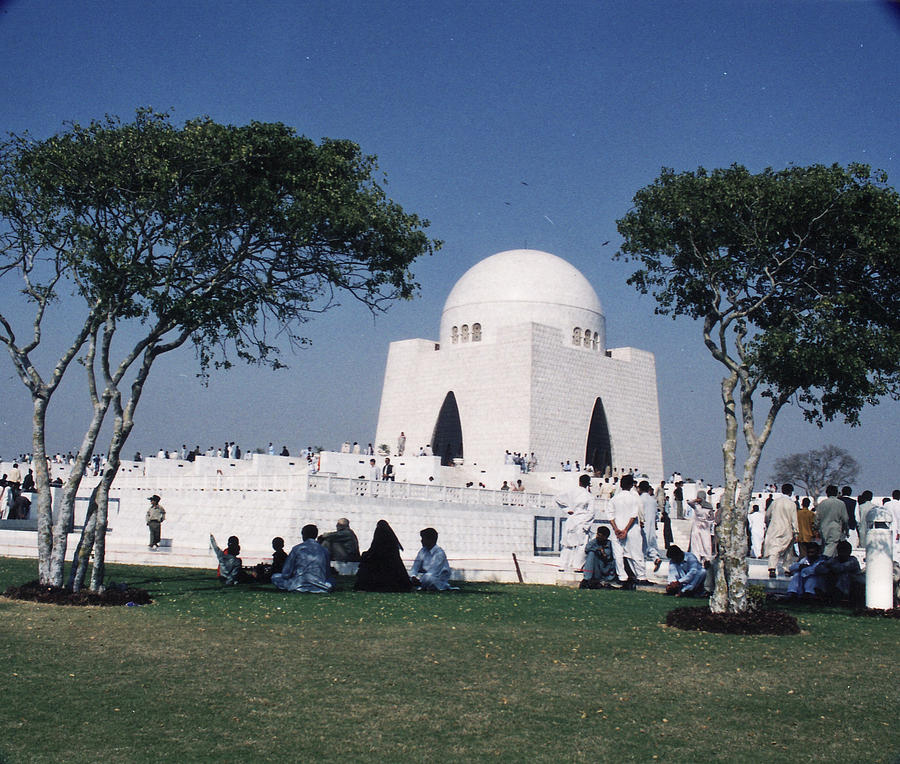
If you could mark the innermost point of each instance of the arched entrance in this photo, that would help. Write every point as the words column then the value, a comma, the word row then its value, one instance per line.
column 598, row 452
column 446, row 439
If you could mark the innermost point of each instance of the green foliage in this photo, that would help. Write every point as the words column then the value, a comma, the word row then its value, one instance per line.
column 219, row 231
column 756, row 598
column 794, row 276
column 228, row 237
column 798, row 267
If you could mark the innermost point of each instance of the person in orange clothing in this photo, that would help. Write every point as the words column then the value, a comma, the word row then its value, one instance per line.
column 807, row 528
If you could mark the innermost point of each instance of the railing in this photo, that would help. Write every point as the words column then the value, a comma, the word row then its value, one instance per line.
column 387, row 489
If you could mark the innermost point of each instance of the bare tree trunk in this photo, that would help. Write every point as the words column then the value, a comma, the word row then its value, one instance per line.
column 98, row 572
column 45, row 496
column 730, row 594
column 122, row 426
column 66, row 509
column 731, row 576
column 85, row 545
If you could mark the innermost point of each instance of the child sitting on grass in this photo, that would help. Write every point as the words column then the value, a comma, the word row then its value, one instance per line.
column 230, row 565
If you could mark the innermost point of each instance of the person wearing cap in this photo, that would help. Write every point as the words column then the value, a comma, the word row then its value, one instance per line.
column 155, row 516
column 431, row 571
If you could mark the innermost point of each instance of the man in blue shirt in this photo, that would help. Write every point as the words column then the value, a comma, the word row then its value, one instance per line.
column 306, row 568
column 686, row 574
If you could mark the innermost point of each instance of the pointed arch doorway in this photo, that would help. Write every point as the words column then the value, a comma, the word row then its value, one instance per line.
column 447, row 439
column 598, row 452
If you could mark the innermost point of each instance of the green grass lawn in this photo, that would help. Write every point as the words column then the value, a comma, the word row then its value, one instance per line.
column 492, row 672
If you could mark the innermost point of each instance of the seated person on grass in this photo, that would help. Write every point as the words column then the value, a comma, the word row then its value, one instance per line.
column 431, row 571
column 279, row 556
column 844, row 579
column 599, row 566
column 381, row 569
column 342, row 544
column 808, row 574
column 306, row 568
column 686, row 575
column 264, row 571
column 230, row 565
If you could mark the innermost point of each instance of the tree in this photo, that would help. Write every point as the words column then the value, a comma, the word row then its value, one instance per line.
column 793, row 275
column 216, row 235
column 817, row 469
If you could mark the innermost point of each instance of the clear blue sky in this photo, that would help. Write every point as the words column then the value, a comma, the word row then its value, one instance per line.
column 462, row 102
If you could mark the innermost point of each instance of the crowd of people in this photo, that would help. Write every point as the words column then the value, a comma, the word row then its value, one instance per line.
column 809, row 545
column 14, row 504
column 312, row 565
column 525, row 462
column 230, row 450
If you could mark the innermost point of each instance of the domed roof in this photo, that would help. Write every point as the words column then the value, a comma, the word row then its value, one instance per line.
column 523, row 286
column 524, row 276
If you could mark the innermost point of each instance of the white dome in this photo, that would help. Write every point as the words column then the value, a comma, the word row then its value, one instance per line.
column 523, row 286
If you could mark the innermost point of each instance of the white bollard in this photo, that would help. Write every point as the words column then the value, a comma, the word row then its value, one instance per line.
column 879, row 558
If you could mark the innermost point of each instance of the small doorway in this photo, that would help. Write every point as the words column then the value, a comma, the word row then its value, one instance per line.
column 446, row 439
column 598, row 452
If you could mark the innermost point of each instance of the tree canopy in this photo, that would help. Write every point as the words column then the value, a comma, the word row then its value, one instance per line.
column 815, row 470
column 794, row 275
column 225, row 236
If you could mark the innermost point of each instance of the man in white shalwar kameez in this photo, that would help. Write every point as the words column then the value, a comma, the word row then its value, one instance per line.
column 863, row 507
column 894, row 506
column 757, row 522
column 648, row 524
column 781, row 531
column 703, row 520
column 624, row 511
column 579, row 507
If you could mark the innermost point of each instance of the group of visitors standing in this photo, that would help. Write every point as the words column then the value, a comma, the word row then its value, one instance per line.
column 797, row 539
column 788, row 523
column 620, row 551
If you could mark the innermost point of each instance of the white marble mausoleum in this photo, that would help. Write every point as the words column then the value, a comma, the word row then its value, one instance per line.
column 521, row 364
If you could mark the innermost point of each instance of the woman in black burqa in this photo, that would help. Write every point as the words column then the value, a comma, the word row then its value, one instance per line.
column 380, row 567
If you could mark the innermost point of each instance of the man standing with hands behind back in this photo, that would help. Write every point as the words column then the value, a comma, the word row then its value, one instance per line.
column 155, row 516
column 624, row 512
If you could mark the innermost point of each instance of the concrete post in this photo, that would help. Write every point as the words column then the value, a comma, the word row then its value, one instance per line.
column 879, row 559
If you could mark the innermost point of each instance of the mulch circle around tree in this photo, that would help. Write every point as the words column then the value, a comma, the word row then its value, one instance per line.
column 758, row 622
column 120, row 595
column 876, row 613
